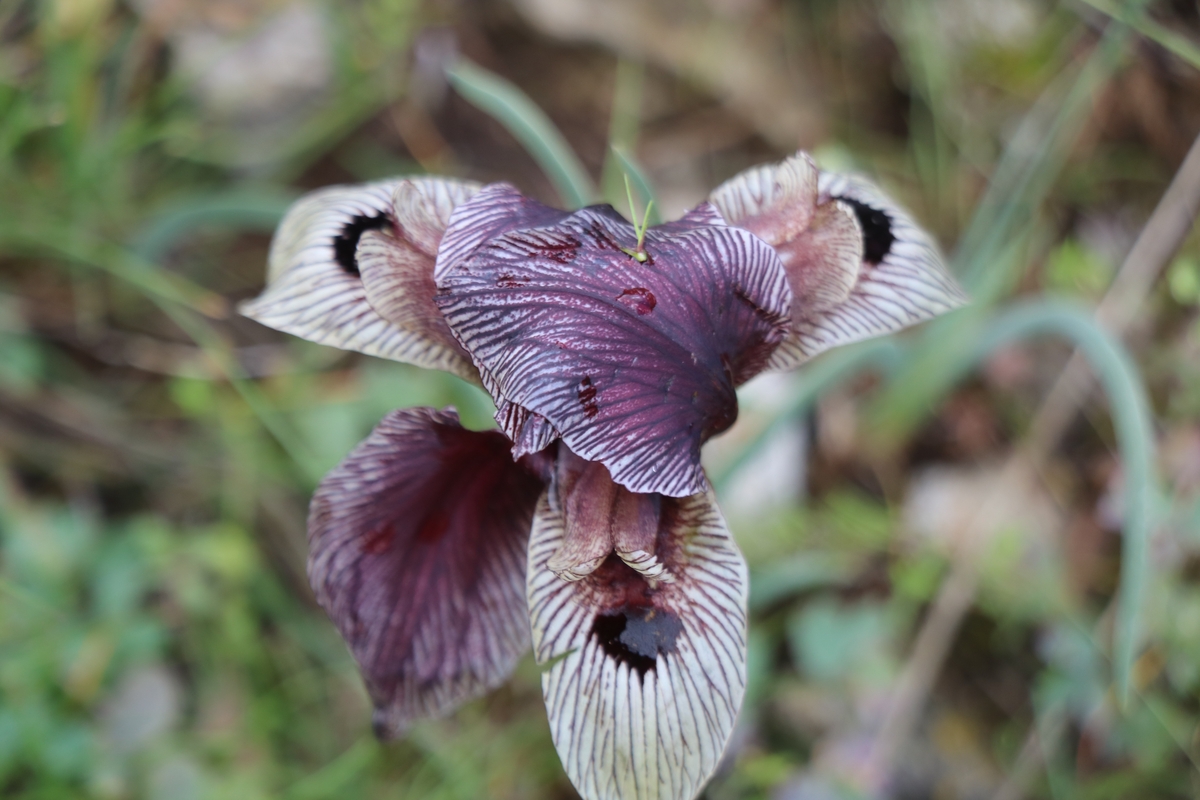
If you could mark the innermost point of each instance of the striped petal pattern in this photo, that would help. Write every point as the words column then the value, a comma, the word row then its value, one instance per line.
column 644, row 678
column 633, row 364
column 497, row 208
column 417, row 551
column 315, row 274
column 859, row 265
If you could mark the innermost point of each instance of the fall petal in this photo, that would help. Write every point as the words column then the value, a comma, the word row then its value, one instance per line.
column 417, row 548
column 634, row 364
column 902, row 280
column 645, row 679
column 314, row 283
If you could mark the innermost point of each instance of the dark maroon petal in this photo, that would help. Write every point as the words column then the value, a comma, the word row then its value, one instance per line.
column 417, row 552
column 634, row 364
column 495, row 209
column 644, row 678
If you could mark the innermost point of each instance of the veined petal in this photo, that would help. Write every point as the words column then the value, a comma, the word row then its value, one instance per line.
column 633, row 363
column 645, row 679
column 903, row 279
column 398, row 281
column 858, row 264
column 315, row 284
column 496, row 209
column 775, row 202
column 530, row 433
column 417, row 551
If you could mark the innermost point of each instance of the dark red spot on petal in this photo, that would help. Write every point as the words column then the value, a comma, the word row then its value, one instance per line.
column 378, row 541
column 640, row 299
column 587, row 397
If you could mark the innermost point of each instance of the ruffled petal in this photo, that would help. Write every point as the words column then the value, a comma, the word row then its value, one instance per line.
column 315, row 283
column 644, row 678
column 903, row 279
column 530, row 433
column 858, row 264
column 417, row 551
column 633, row 363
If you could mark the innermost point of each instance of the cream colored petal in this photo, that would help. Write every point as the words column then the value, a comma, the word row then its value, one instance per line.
column 399, row 285
column 646, row 677
column 903, row 279
column 314, row 284
column 775, row 202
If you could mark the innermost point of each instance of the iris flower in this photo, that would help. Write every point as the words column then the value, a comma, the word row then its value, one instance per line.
column 585, row 525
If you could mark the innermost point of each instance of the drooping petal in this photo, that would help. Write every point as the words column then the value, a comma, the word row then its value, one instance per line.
column 417, row 551
column 645, row 679
column 857, row 263
column 633, row 363
column 315, row 278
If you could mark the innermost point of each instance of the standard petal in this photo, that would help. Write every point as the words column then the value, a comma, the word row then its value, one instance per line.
column 314, row 282
column 903, row 279
column 497, row 208
column 644, row 679
column 417, row 548
column 634, row 364
column 858, row 264
column 823, row 263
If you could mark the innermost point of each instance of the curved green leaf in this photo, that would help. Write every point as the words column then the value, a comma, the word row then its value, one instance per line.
column 513, row 109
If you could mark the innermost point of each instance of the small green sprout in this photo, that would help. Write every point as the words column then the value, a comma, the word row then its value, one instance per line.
column 639, row 253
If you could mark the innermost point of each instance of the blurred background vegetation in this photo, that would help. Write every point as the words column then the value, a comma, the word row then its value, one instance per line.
column 976, row 570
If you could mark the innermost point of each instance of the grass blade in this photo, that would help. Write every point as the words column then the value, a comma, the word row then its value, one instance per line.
column 638, row 177
column 1184, row 48
column 239, row 210
column 1118, row 374
column 513, row 109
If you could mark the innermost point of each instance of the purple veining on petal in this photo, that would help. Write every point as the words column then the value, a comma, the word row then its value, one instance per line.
column 417, row 553
column 661, row 343
column 642, row 677
column 495, row 209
